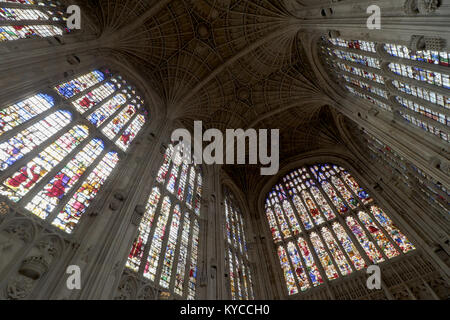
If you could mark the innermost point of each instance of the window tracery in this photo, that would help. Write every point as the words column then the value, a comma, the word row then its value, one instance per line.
column 414, row 84
column 31, row 18
column 165, row 250
column 52, row 164
column 237, row 258
column 342, row 229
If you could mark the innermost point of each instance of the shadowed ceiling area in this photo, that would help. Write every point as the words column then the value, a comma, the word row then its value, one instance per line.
column 229, row 63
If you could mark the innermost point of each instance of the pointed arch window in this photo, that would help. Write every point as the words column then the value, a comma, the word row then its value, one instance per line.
column 165, row 250
column 326, row 226
column 414, row 84
column 432, row 192
column 31, row 18
column 51, row 163
column 237, row 258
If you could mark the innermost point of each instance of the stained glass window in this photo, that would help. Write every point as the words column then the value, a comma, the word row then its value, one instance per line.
column 433, row 192
column 429, row 56
column 168, row 235
column 241, row 286
column 77, row 205
column 321, row 248
column 51, row 167
column 53, row 15
column 30, row 138
column 358, row 64
column 21, row 112
column 55, row 190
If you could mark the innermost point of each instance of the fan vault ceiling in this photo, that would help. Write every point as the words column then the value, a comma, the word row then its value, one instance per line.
column 229, row 63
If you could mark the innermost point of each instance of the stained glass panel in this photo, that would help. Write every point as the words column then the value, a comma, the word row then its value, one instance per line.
column 392, row 229
column 30, row 138
column 47, row 199
column 21, row 112
column 137, row 250
column 68, row 218
column 156, row 244
column 171, row 247
column 78, row 85
column 26, row 177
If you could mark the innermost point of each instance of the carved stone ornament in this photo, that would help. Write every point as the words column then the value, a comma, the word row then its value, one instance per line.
column 417, row 43
column 126, row 289
column 427, row 6
column 148, row 293
column 19, row 288
column 34, row 267
column 333, row 33
column 21, row 229
column 420, row 6
column 138, row 213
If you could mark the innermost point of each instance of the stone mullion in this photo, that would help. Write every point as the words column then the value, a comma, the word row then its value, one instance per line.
column 354, row 214
column 227, row 266
column 425, row 103
column 188, row 256
column 234, row 248
column 183, row 210
column 19, row 128
column 125, row 126
column 234, row 252
column 371, row 82
column 114, row 114
column 366, row 208
column 50, row 174
column 327, row 223
column 355, row 241
column 291, row 265
column 333, row 234
column 416, row 114
column 176, row 254
column 312, row 250
column 164, row 243
column 294, row 240
column 387, row 57
column 33, row 153
column 319, row 208
column 328, row 252
column 347, row 229
column 250, row 281
column 240, row 244
column 245, row 278
column 72, row 100
column 77, row 185
column 284, row 243
column 240, row 255
column 297, row 214
column 368, row 93
column 369, row 54
column 151, row 233
column 358, row 65
column 330, row 222
column 368, row 211
column 245, row 260
column 167, row 228
column 31, row 23
column 419, row 181
column 411, row 81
